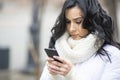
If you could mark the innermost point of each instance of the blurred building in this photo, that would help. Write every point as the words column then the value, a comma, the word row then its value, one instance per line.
column 15, row 19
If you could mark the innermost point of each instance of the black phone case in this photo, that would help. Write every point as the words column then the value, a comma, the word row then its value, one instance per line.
column 51, row 53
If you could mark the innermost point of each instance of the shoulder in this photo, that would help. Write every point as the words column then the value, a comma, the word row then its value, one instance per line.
column 113, row 51
column 112, row 69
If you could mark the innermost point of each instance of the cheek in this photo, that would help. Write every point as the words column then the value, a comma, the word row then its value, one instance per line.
column 82, row 30
column 67, row 27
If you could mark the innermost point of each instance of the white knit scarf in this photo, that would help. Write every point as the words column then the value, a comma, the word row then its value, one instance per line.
column 76, row 51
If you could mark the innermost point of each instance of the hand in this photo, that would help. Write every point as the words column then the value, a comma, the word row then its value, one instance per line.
column 55, row 67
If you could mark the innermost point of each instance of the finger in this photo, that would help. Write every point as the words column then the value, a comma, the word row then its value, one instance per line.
column 61, row 71
column 56, row 67
column 51, row 66
column 57, row 63
column 49, row 59
column 60, row 59
column 66, row 67
column 57, row 70
column 51, row 71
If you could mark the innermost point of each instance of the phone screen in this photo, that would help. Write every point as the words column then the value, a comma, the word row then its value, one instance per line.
column 51, row 52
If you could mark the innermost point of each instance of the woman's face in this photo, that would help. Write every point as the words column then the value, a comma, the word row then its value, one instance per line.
column 74, row 23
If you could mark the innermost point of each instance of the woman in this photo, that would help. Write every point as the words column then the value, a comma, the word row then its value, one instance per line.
column 83, row 37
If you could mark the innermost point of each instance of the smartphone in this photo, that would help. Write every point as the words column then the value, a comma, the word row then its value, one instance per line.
column 52, row 52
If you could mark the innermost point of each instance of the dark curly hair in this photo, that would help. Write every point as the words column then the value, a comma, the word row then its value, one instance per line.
column 96, row 20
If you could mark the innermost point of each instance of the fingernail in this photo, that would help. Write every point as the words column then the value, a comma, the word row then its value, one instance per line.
column 52, row 59
column 55, row 56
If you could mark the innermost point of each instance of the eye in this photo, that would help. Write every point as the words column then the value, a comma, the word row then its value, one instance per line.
column 67, row 21
column 78, row 22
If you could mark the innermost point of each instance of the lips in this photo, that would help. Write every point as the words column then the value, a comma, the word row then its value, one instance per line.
column 74, row 36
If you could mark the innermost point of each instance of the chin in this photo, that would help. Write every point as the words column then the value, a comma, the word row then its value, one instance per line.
column 75, row 38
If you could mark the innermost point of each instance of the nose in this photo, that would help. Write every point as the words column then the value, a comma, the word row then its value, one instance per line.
column 72, row 27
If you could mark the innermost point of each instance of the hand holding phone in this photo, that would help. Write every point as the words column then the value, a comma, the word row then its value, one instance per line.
column 52, row 52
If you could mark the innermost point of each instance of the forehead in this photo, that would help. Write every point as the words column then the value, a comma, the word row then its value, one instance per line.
column 73, row 12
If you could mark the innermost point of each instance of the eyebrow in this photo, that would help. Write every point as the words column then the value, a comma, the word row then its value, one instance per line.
column 76, row 18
